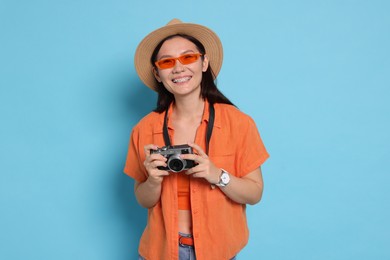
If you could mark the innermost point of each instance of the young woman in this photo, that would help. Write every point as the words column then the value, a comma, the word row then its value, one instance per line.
column 196, row 158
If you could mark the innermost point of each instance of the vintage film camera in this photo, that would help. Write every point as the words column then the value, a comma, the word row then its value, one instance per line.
column 174, row 162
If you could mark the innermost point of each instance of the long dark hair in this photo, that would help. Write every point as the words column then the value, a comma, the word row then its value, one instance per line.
column 208, row 87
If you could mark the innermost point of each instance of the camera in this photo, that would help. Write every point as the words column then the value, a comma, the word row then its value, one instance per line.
column 174, row 162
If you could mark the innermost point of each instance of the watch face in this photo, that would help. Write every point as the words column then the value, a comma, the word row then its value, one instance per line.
column 225, row 178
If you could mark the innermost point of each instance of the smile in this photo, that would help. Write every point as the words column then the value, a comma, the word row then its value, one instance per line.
column 181, row 80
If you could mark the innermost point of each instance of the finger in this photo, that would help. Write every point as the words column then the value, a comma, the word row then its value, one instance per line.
column 198, row 149
column 190, row 156
column 156, row 157
column 149, row 147
column 195, row 170
column 198, row 174
column 153, row 163
column 157, row 172
column 163, row 173
column 156, row 164
column 149, row 162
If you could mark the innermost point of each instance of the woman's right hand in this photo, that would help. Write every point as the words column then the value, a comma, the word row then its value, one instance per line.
column 152, row 161
column 148, row 193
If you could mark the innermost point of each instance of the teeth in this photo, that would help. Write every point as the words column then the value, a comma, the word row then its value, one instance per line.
column 181, row 80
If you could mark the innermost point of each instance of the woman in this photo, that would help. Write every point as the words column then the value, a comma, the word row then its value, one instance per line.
column 197, row 209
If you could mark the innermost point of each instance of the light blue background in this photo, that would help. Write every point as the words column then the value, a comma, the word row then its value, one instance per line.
column 313, row 74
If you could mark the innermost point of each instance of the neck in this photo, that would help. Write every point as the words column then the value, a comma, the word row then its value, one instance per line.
column 189, row 107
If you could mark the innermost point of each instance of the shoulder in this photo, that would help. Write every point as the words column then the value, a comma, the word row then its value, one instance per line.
column 149, row 122
column 232, row 115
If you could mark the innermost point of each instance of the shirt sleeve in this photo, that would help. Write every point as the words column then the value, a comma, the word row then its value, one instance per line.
column 251, row 150
column 134, row 163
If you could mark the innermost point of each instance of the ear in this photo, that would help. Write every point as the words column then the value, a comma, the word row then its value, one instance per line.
column 205, row 63
column 155, row 73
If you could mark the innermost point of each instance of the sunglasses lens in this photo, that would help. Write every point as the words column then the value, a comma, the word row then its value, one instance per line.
column 188, row 58
column 184, row 59
column 166, row 63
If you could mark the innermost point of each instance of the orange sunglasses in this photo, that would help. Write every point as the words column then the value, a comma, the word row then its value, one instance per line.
column 184, row 59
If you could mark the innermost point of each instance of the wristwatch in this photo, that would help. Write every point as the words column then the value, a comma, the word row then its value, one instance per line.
column 224, row 179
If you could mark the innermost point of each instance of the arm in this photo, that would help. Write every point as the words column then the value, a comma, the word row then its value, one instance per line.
column 147, row 193
column 245, row 190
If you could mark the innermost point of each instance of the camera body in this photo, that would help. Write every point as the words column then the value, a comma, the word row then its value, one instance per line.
column 174, row 162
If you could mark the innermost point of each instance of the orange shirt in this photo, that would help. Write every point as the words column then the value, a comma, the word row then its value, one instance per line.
column 219, row 225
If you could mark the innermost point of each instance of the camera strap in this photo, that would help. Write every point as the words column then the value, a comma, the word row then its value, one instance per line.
column 209, row 132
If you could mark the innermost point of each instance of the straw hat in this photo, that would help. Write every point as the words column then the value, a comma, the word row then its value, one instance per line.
column 144, row 51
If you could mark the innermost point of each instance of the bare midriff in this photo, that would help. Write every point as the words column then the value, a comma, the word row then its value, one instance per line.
column 185, row 221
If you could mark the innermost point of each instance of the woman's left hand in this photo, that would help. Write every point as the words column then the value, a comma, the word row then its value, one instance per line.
column 205, row 168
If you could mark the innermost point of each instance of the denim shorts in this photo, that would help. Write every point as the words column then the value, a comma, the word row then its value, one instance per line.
column 185, row 252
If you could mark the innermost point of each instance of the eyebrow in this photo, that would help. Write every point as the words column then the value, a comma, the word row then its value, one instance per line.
column 170, row 56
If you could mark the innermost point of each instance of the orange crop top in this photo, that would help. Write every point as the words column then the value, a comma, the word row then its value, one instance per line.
column 183, row 191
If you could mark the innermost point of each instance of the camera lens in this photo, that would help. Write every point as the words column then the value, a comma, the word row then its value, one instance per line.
column 176, row 164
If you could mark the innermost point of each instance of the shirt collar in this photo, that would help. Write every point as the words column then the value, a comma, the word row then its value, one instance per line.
column 206, row 114
column 205, row 118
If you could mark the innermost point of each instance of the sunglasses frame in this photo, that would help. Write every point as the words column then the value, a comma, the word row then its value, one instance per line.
column 197, row 55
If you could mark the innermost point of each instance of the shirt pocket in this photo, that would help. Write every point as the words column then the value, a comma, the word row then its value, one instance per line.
column 225, row 161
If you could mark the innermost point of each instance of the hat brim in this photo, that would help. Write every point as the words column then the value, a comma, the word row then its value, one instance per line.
column 207, row 37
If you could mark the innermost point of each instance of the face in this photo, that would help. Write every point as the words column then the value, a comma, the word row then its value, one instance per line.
column 180, row 79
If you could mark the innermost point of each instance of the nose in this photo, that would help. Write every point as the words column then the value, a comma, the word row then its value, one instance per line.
column 178, row 67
